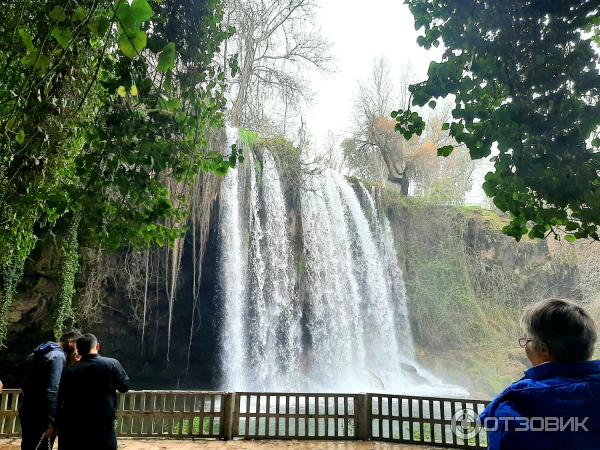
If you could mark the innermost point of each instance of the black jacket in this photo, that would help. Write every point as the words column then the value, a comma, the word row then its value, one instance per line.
column 88, row 392
column 41, row 385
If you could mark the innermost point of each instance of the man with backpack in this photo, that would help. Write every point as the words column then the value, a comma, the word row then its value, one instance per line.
column 38, row 410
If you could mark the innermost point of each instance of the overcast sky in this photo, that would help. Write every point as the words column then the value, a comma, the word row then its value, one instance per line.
column 360, row 32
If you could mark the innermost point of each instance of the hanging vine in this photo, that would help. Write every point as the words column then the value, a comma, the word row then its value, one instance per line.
column 173, row 263
column 145, row 308
column 70, row 268
column 203, row 198
column 12, row 264
column 12, row 272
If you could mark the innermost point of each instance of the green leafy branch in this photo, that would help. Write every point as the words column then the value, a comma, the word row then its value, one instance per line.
column 525, row 81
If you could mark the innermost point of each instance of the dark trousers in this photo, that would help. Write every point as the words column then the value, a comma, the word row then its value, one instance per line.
column 88, row 438
column 31, row 432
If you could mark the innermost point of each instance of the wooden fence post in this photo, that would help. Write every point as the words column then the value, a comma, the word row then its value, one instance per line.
column 228, row 416
column 363, row 427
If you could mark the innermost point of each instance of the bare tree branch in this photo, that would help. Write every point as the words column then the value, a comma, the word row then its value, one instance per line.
column 275, row 43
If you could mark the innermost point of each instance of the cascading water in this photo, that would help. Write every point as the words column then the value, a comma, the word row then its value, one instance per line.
column 232, row 279
column 394, row 277
column 261, row 329
column 333, row 308
column 335, row 320
column 283, row 309
column 379, row 331
column 257, row 313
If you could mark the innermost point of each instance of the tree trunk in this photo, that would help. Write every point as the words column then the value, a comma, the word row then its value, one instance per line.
column 245, row 76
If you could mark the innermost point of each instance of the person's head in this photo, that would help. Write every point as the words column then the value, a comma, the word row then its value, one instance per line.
column 559, row 331
column 67, row 341
column 87, row 344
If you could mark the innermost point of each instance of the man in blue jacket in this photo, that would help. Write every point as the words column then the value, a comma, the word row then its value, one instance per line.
column 38, row 409
column 556, row 405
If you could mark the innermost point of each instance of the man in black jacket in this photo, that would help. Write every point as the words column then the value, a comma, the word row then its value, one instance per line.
column 89, row 399
column 38, row 409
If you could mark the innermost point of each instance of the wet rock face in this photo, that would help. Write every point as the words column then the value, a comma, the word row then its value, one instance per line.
column 38, row 290
column 30, row 317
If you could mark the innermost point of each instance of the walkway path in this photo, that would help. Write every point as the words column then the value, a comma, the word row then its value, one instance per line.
column 130, row 444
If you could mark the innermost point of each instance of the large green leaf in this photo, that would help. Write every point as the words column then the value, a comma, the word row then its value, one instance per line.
column 141, row 10
column 169, row 104
column 78, row 15
column 132, row 44
column 40, row 63
column 62, row 36
column 20, row 137
column 446, row 150
column 131, row 17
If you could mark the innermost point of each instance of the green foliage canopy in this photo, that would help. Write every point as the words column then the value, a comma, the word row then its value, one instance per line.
column 524, row 75
column 104, row 110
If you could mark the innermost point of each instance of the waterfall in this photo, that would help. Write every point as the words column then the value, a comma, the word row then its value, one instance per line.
column 397, row 291
column 232, row 270
column 258, row 309
column 335, row 319
column 383, row 353
column 334, row 313
column 394, row 277
column 283, row 340
column 261, row 320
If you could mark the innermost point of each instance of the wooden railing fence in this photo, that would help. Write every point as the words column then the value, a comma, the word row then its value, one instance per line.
column 9, row 418
column 267, row 415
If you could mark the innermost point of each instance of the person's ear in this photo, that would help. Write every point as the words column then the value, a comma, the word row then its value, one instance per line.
column 544, row 351
column 97, row 346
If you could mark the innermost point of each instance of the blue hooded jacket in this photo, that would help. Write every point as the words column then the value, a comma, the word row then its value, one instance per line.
column 41, row 384
column 563, row 395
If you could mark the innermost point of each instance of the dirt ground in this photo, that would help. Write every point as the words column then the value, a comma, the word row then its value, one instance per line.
column 131, row 444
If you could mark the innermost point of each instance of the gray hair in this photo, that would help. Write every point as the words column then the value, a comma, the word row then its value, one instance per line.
column 567, row 330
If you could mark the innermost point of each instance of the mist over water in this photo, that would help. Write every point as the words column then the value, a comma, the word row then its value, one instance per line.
column 332, row 318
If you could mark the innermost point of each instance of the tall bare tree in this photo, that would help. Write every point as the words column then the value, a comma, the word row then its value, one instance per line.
column 276, row 42
column 377, row 151
column 374, row 131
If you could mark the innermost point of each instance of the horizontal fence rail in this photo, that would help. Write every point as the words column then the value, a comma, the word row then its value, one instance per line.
column 284, row 415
